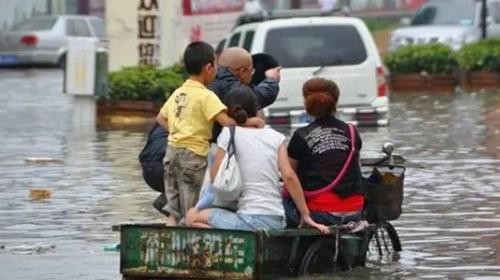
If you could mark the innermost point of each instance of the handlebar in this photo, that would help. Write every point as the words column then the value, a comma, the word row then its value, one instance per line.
column 385, row 160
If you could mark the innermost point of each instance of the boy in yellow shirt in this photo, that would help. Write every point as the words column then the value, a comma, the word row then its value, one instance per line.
column 189, row 115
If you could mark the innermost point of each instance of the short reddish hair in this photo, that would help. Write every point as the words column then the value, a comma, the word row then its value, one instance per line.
column 320, row 97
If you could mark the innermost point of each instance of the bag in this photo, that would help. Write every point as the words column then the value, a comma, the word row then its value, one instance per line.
column 151, row 158
column 384, row 193
column 227, row 183
column 209, row 199
column 207, row 193
column 341, row 174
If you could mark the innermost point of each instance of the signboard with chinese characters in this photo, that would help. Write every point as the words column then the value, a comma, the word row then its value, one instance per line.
column 148, row 23
column 161, row 251
column 133, row 30
column 155, row 32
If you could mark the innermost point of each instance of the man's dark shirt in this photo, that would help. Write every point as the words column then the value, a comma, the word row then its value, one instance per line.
column 266, row 91
column 321, row 149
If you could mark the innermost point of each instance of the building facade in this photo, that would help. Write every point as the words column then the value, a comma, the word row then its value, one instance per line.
column 155, row 32
column 355, row 5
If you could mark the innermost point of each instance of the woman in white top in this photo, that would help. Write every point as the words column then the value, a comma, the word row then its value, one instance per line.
column 262, row 156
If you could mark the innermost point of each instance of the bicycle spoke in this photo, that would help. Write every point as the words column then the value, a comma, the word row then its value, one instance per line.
column 384, row 232
column 377, row 240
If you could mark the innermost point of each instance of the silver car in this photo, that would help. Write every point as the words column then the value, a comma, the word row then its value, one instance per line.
column 452, row 22
column 42, row 39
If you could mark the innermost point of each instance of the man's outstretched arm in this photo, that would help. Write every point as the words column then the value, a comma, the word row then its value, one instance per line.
column 267, row 91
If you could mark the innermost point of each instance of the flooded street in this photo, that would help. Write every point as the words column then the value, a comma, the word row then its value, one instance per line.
column 450, row 227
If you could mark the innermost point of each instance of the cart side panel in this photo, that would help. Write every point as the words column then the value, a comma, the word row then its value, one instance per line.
column 174, row 252
column 282, row 254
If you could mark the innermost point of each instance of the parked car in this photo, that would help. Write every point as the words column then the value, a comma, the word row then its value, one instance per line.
column 453, row 22
column 334, row 47
column 42, row 39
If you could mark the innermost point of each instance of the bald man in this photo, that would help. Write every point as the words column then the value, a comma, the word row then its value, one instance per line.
column 235, row 67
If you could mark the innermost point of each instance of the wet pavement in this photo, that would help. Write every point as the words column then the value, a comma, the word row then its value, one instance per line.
column 450, row 227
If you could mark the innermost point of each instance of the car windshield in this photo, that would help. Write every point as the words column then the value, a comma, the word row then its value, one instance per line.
column 446, row 13
column 315, row 45
column 99, row 27
column 34, row 24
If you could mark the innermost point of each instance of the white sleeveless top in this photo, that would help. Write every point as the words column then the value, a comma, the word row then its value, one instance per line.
column 257, row 155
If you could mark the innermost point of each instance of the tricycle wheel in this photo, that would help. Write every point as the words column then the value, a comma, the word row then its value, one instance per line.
column 319, row 258
column 384, row 240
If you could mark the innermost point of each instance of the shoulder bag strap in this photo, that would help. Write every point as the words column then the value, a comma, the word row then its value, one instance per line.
column 231, row 148
column 341, row 174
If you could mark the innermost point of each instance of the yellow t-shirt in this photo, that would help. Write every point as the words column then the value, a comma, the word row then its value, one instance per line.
column 190, row 113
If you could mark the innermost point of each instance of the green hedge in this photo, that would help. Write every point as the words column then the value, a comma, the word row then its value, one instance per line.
column 156, row 84
column 376, row 24
column 423, row 58
column 145, row 83
column 480, row 56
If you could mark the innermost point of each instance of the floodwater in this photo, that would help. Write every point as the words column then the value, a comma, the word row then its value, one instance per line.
column 450, row 228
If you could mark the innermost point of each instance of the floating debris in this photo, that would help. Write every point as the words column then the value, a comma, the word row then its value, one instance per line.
column 32, row 249
column 115, row 247
column 42, row 160
column 40, row 194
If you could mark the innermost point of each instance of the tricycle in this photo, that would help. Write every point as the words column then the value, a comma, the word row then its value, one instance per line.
column 155, row 251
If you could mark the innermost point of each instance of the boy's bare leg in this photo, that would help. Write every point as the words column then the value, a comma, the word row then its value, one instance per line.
column 200, row 225
column 171, row 186
column 171, row 221
column 198, row 219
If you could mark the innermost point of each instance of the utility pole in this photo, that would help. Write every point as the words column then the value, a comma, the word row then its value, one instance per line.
column 49, row 7
column 484, row 23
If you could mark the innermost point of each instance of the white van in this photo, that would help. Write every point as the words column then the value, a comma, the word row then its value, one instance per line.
column 334, row 47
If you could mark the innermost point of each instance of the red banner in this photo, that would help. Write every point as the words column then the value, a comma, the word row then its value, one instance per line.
column 413, row 4
column 207, row 7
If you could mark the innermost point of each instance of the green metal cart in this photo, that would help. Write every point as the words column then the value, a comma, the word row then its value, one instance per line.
column 154, row 251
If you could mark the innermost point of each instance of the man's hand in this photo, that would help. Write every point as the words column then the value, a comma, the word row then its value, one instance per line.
column 255, row 122
column 274, row 73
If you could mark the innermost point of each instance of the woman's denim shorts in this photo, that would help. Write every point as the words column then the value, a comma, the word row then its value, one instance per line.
column 293, row 216
column 224, row 219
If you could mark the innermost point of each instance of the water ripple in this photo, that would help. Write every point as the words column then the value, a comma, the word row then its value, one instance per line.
column 450, row 228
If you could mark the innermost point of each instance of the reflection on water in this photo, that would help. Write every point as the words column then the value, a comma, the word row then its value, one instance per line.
column 450, row 226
